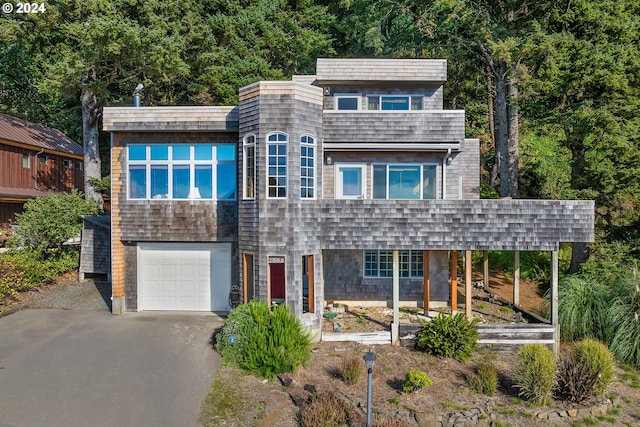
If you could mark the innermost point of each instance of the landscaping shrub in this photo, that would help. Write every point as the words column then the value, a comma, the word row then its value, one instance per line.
column 485, row 380
column 326, row 410
column 535, row 373
column 264, row 340
column 581, row 308
column 49, row 221
column 415, row 380
column 593, row 353
column 351, row 369
column 575, row 380
column 449, row 336
column 623, row 330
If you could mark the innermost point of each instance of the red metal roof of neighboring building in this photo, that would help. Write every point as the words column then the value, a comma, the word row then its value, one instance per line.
column 25, row 132
column 20, row 192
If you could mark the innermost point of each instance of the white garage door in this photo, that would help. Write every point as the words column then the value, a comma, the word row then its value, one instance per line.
column 184, row 276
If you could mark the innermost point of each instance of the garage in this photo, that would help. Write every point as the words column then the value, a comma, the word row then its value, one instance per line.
column 184, row 276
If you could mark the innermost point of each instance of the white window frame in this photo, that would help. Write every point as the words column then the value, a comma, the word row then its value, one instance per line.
column 339, row 189
column 422, row 168
column 170, row 163
column 286, row 165
column 313, row 168
column 379, row 253
column 383, row 95
column 357, row 96
column 245, row 147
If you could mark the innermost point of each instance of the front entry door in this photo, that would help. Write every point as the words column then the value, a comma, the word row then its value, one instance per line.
column 277, row 279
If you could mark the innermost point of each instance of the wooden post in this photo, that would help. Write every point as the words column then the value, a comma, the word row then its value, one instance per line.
column 395, row 326
column 554, row 302
column 454, row 282
column 516, row 278
column 485, row 268
column 467, row 284
column 427, row 282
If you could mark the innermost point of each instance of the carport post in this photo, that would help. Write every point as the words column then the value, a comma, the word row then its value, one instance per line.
column 554, row 302
column 516, row 278
column 485, row 268
column 395, row 326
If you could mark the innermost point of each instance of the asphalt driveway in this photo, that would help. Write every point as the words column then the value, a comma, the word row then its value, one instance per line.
column 90, row 368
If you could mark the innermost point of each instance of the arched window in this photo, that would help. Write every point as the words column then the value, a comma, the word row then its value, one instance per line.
column 249, row 146
column 277, row 165
column 307, row 167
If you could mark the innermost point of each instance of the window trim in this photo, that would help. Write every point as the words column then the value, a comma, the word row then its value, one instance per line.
column 245, row 146
column 169, row 163
column 286, row 165
column 313, row 168
column 410, row 254
column 422, row 169
column 357, row 96
column 338, row 185
column 383, row 95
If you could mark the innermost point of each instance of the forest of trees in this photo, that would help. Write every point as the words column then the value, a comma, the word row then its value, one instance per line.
column 551, row 88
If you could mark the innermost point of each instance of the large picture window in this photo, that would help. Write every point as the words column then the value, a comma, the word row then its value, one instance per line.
column 404, row 181
column 307, row 167
column 182, row 171
column 250, row 167
column 277, row 165
column 379, row 263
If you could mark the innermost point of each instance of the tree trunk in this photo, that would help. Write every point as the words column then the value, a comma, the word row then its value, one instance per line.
column 491, row 100
column 506, row 124
column 90, row 122
column 579, row 255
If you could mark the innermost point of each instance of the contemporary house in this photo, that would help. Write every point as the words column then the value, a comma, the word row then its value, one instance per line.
column 353, row 184
column 33, row 160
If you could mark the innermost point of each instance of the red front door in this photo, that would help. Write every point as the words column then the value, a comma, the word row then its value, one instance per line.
column 277, row 280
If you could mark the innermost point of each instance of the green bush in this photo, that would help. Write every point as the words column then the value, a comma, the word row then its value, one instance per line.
column 264, row 340
column 596, row 355
column 449, row 336
column 575, row 380
column 415, row 380
column 351, row 369
column 535, row 373
column 326, row 410
column 49, row 221
column 485, row 379
column 623, row 329
column 581, row 308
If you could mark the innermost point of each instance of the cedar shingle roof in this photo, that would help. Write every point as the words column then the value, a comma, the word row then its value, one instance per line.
column 22, row 131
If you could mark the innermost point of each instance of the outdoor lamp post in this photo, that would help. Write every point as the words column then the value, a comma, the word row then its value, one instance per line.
column 369, row 361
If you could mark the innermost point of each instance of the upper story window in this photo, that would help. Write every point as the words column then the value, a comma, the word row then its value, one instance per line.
column 79, row 165
column 67, row 163
column 307, row 167
column 350, row 179
column 347, row 102
column 394, row 102
column 182, row 171
column 277, row 165
column 249, row 167
column 404, row 181
column 26, row 160
column 380, row 263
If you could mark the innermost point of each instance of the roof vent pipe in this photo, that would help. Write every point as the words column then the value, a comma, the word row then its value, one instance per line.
column 136, row 95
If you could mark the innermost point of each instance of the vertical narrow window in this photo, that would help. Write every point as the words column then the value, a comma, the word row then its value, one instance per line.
column 386, row 263
column 308, row 305
column 277, row 165
column 248, row 278
column 26, row 160
column 371, row 263
column 250, row 167
column 307, row 167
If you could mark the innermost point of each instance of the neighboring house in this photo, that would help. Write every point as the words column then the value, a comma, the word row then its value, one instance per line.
column 33, row 160
column 306, row 191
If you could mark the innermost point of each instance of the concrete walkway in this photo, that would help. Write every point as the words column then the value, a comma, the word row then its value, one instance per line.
column 90, row 368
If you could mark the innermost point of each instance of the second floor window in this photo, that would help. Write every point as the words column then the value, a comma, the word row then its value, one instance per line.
column 277, row 165
column 404, row 181
column 250, row 167
column 182, row 171
column 26, row 160
column 307, row 167
column 394, row 102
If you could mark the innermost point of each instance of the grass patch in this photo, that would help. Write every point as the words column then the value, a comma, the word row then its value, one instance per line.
column 222, row 403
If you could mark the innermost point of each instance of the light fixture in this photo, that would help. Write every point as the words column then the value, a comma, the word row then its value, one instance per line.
column 329, row 160
column 326, row 90
column 369, row 361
